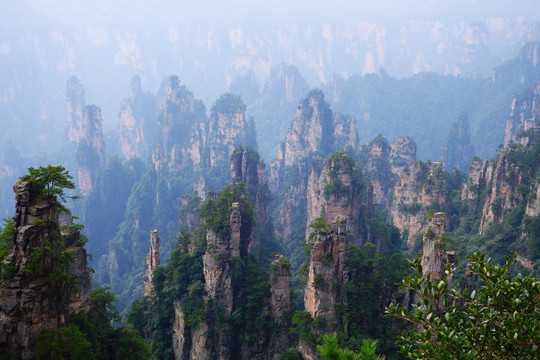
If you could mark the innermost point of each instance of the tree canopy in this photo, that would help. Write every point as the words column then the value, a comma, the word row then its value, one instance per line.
column 498, row 320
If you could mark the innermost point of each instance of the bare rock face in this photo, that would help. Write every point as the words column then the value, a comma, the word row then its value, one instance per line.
column 502, row 195
column 533, row 203
column 416, row 190
column 376, row 166
column 91, row 149
column 75, row 108
column 458, row 150
column 480, row 172
column 524, row 114
column 402, row 154
column 182, row 122
column 247, row 168
column 228, row 127
column 433, row 247
column 314, row 128
column 30, row 302
column 327, row 277
column 137, row 122
column 152, row 262
column 218, row 277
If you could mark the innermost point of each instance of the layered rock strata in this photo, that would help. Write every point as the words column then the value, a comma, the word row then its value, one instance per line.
column 30, row 302
column 419, row 188
column 152, row 262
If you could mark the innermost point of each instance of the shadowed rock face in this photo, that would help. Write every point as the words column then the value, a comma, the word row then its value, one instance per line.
column 152, row 262
column 416, row 190
column 327, row 277
column 30, row 302
column 433, row 247
column 91, row 149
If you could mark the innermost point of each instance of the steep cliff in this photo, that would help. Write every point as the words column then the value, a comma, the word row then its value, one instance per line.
column 281, row 306
column 458, row 150
column 91, row 148
column 37, row 290
column 524, row 113
column 152, row 262
column 402, row 154
column 137, row 122
column 75, row 107
column 433, row 255
column 246, row 167
column 419, row 188
column 314, row 129
column 327, row 277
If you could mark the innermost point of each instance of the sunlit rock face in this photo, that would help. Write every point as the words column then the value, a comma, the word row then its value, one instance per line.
column 137, row 123
column 418, row 187
column 91, row 149
column 30, row 302
column 524, row 113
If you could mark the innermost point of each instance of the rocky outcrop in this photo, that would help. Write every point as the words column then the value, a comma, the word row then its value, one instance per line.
column 501, row 191
column 228, row 128
column 458, row 150
column 91, row 148
column 480, row 173
column 281, row 306
column 402, row 154
column 524, row 114
column 433, row 255
column 375, row 158
column 418, row 189
column 533, row 202
column 327, row 277
column 314, row 129
column 137, row 122
column 152, row 262
column 246, row 167
column 75, row 107
column 30, row 302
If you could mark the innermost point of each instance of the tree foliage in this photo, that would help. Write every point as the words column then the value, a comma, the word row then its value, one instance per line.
column 499, row 320
column 49, row 182
column 330, row 350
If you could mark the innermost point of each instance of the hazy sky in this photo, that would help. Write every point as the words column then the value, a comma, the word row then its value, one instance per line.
column 230, row 11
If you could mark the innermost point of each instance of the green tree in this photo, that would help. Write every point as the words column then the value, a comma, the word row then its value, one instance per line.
column 49, row 182
column 66, row 343
column 499, row 320
column 330, row 350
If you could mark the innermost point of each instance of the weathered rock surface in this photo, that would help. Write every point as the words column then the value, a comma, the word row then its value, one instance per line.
column 402, row 154
column 281, row 306
column 152, row 262
column 416, row 191
column 30, row 302
column 75, row 107
column 314, row 128
column 137, row 122
column 91, row 148
column 327, row 277
column 433, row 255
column 524, row 113
column 458, row 150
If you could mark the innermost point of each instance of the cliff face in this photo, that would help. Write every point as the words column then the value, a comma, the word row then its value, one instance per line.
column 416, row 191
column 183, row 127
column 137, row 122
column 458, row 150
column 314, row 128
column 152, row 262
column 91, row 148
column 501, row 195
column 433, row 247
column 327, row 277
column 524, row 113
column 247, row 168
column 402, row 154
column 75, row 108
column 30, row 301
